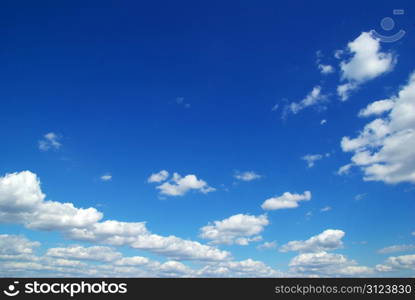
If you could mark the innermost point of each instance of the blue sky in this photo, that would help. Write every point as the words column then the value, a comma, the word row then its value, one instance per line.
column 237, row 104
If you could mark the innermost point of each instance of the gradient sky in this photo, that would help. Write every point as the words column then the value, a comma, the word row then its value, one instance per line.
column 248, row 109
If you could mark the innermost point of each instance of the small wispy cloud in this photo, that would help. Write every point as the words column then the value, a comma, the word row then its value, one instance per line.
column 275, row 107
column 325, row 69
column 344, row 169
column 359, row 197
column 180, row 101
column 326, row 208
column 246, row 176
column 49, row 141
column 315, row 97
column 106, row 177
column 312, row 158
column 397, row 248
column 267, row 246
column 323, row 122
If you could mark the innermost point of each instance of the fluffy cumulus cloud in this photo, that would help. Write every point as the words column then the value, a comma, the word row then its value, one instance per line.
column 178, row 185
column 397, row 263
column 245, row 268
column 132, row 261
column 137, row 236
column 238, row 229
column 367, row 62
column 247, row 176
column 329, row 239
column 286, row 200
column 94, row 253
column 15, row 245
column 326, row 264
column 377, row 108
column 384, row 147
column 315, row 260
column 158, row 177
column 49, row 141
column 313, row 98
column 100, row 261
column 22, row 202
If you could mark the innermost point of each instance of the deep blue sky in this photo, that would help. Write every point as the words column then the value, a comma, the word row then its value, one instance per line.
column 105, row 76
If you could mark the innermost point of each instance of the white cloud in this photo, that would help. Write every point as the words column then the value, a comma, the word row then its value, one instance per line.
column 377, row 108
column 396, row 248
column 106, row 177
column 326, row 208
column 19, row 192
column 383, row 268
column 16, row 245
column 22, row 202
column 326, row 264
column 413, row 233
column 132, row 261
column 286, row 200
column 395, row 263
column 179, row 249
column 49, row 141
column 109, row 232
column 367, row 63
column 275, row 107
column 384, row 148
column 313, row 98
column 180, row 101
column 267, row 246
column 359, row 197
column 338, row 54
column 137, row 236
column 238, row 229
column 311, row 159
column 100, row 261
column 344, row 169
column 323, row 122
column 247, row 176
column 174, row 269
column 344, row 90
column 325, row 69
column 94, row 253
column 51, row 215
column 245, row 268
column 158, row 177
column 178, row 185
column 329, row 239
